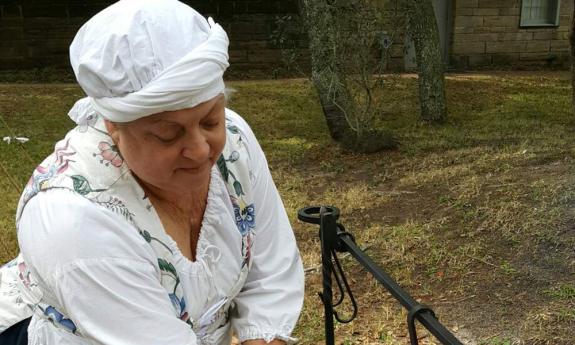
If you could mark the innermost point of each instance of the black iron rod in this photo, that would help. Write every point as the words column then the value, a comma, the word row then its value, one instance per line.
column 327, row 222
column 425, row 317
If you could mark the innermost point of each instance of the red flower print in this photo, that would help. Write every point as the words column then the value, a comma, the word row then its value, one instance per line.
column 110, row 154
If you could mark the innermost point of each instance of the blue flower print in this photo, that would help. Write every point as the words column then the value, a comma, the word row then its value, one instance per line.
column 180, row 306
column 59, row 319
column 245, row 218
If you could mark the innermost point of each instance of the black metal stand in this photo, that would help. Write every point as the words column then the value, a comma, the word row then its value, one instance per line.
column 334, row 238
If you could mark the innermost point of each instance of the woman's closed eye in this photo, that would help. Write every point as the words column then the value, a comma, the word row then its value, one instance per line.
column 167, row 136
column 210, row 124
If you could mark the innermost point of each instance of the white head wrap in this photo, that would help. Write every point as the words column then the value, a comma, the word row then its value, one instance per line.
column 142, row 57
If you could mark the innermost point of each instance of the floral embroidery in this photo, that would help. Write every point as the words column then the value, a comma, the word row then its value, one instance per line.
column 233, row 166
column 58, row 318
column 90, row 122
column 82, row 186
column 40, row 179
column 24, row 274
column 116, row 205
column 110, row 154
column 179, row 305
column 244, row 212
column 245, row 216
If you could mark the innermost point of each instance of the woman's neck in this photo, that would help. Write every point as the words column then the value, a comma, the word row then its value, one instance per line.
column 185, row 201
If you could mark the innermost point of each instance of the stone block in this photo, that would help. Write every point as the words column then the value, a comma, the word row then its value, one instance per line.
column 497, row 3
column 559, row 46
column 58, row 61
column 535, row 56
column 11, row 22
column 459, row 62
column 515, row 36
column 238, row 55
column 477, row 37
column 485, row 12
column 559, row 35
column 467, row 48
column 204, row 7
column 495, row 29
column 11, row 34
column 41, row 11
column 564, row 20
column 505, row 59
column 49, row 47
column 223, row 9
column 464, row 11
column 543, row 35
column 11, row 11
column 265, row 55
column 288, row 6
column 263, row 6
column 249, row 45
column 11, row 62
column 501, row 21
column 249, row 27
column 15, row 50
column 479, row 60
column 468, row 21
column 537, row 46
column 505, row 47
column 514, row 11
column 463, row 30
column 84, row 11
column 395, row 64
column 466, row 3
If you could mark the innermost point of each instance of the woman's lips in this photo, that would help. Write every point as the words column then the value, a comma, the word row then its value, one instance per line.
column 198, row 169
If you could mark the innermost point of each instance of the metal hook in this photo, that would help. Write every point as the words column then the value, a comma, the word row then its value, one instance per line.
column 347, row 288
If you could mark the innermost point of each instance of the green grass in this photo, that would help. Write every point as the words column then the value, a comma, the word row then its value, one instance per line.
column 474, row 217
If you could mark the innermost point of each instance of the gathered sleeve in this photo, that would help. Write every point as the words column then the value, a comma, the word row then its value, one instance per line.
column 101, row 274
column 270, row 302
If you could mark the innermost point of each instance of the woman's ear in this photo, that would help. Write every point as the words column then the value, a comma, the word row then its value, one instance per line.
column 113, row 130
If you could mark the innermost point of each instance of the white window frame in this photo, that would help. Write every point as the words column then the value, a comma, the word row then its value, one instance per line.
column 529, row 23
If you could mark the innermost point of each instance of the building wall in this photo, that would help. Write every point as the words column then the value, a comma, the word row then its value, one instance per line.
column 37, row 33
column 487, row 32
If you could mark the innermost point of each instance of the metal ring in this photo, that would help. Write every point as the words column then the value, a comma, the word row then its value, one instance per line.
column 311, row 214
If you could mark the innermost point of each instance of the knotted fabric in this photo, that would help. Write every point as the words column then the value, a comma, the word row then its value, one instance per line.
column 142, row 57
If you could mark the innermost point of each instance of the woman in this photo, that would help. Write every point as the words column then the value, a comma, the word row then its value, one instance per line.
column 156, row 220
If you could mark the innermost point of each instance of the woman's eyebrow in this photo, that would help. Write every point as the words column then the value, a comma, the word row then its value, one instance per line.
column 163, row 121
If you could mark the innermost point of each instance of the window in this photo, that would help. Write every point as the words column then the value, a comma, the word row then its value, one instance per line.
column 540, row 13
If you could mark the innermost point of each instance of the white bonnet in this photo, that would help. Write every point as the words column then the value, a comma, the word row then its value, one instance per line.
column 141, row 57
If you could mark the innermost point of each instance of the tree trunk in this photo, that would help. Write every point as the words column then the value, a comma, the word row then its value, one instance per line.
column 572, row 43
column 422, row 27
column 325, row 73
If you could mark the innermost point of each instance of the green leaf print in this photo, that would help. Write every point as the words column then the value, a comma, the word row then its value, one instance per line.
column 223, row 168
column 167, row 267
column 82, row 186
column 233, row 129
column 238, row 188
column 146, row 235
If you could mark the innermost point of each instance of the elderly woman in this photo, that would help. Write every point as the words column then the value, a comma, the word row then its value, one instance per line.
column 155, row 220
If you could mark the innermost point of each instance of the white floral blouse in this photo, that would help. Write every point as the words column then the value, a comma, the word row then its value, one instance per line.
column 104, row 274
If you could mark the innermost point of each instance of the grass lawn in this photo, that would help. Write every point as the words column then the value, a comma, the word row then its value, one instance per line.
column 474, row 217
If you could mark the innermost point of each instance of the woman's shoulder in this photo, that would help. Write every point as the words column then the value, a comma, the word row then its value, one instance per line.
column 59, row 227
column 235, row 119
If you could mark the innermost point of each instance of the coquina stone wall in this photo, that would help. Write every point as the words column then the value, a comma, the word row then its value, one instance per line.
column 37, row 33
column 488, row 32
column 480, row 33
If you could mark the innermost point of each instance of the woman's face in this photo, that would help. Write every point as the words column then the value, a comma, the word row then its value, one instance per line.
column 173, row 151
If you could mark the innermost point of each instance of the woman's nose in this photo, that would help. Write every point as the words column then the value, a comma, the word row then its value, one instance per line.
column 196, row 148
